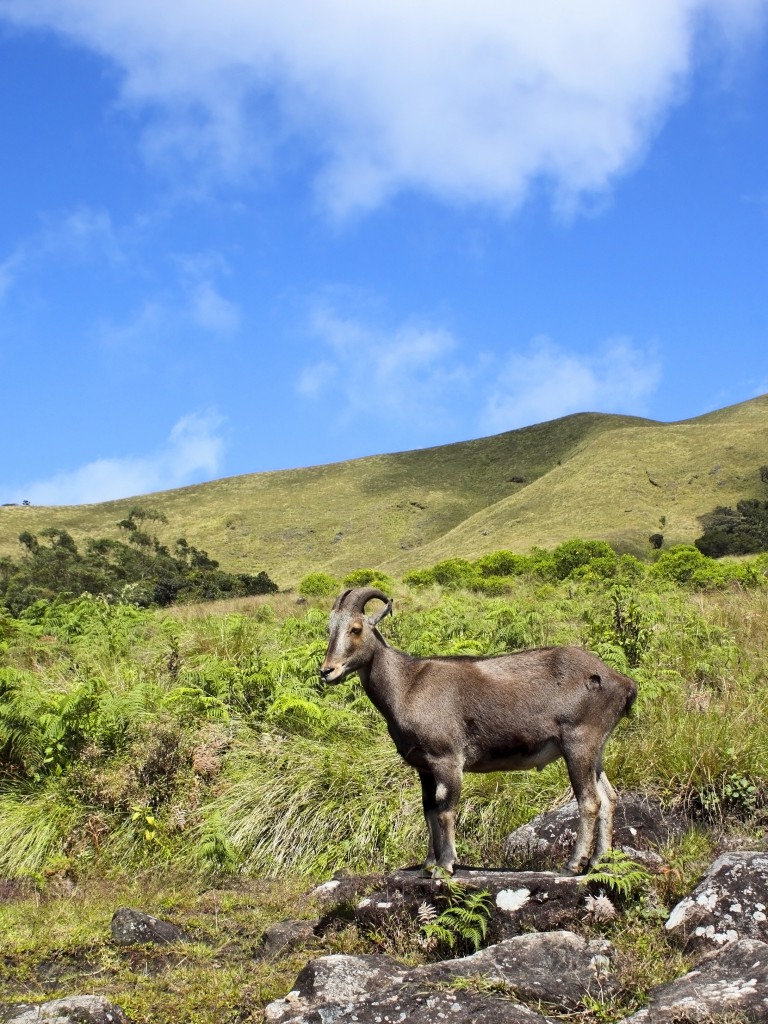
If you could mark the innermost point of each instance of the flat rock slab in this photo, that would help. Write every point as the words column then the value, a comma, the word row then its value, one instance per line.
column 521, row 901
column 732, row 981
column 559, row 968
column 378, row 990
column 74, row 1010
column 554, row 967
column 133, row 927
column 420, row 1005
column 730, row 903
column 641, row 828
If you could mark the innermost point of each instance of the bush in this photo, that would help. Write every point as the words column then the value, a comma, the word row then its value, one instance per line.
column 577, row 554
column 502, row 563
column 369, row 578
column 319, row 584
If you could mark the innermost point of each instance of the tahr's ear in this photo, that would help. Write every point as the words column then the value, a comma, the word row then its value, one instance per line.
column 386, row 610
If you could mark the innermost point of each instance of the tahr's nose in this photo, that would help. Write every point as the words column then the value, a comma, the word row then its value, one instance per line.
column 325, row 671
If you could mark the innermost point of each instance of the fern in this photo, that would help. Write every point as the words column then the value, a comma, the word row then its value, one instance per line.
column 617, row 872
column 464, row 922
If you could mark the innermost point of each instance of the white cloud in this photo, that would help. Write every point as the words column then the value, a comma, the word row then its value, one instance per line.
column 546, row 381
column 193, row 450
column 408, row 376
column 473, row 100
column 421, row 377
column 83, row 233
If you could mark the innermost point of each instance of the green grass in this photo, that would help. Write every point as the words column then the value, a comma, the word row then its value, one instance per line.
column 200, row 773
column 617, row 478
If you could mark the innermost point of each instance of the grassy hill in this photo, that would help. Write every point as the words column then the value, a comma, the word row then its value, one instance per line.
column 591, row 475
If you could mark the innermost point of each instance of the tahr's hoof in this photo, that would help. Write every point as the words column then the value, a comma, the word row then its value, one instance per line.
column 435, row 871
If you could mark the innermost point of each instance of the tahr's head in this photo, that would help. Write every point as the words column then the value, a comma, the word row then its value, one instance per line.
column 353, row 636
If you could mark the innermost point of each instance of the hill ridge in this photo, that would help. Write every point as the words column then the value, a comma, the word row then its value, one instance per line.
column 586, row 474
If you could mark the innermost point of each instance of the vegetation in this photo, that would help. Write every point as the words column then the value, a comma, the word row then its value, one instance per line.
column 142, row 570
column 198, row 739
column 613, row 478
column 739, row 531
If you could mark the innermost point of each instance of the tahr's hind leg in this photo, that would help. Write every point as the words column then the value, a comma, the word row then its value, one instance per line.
column 581, row 761
column 608, row 799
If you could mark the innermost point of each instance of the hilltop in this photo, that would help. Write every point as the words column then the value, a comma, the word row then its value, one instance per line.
column 591, row 475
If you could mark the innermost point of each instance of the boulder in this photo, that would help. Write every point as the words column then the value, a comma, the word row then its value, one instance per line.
column 73, row 1010
column 550, row 967
column 641, row 827
column 132, row 927
column 520, row 901
column 285, row 935
column 730, row 903
column 556, row 967
column 732, row 983
column 338, row 980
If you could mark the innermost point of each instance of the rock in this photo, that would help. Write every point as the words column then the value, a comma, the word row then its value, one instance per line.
column 73, row 1010
column 132, row 927
column 285, row 935
column 641, row 827
column 731, row 981
column 730, row 903
column 338, row 979
column 520, row 901
column 556, row 967
column 378, row 990
column 551, row 967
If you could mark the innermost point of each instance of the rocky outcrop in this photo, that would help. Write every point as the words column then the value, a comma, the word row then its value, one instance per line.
column 132, row 927
column 730, row 903
column 731, row 983
column 641, row 828
column 557, row 968
column 286, row 935
column 519, row 901
column 73, row 1010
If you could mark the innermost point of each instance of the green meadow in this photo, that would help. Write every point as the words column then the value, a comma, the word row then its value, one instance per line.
column 613, row 478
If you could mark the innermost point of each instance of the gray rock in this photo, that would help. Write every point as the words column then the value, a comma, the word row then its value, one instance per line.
column 337, row 980
column 552, row 967
column 73, row 1010
column 558, row 968
column 731, row 981
column 641, row 827
column 285, row 935
column 132, row 927
column 377, row 989
column 521, row 901
column 730, row 903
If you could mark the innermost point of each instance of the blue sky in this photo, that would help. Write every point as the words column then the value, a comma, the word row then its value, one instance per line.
column 239, row 237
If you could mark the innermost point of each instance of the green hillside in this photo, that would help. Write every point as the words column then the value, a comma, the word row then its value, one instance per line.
column 618, row 478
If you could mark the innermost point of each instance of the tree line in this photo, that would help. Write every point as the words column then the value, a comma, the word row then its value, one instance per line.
column 138, row 569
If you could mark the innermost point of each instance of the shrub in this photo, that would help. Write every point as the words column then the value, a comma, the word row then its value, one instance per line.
column 577, row 554
column 502, row 563
column 680, row 563
column 369, row 578
column 319, row 584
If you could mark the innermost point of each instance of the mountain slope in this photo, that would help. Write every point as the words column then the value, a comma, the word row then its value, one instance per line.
column 588, row 475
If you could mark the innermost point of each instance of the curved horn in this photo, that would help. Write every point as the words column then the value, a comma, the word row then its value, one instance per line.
column 340, row 600
column 356, row 600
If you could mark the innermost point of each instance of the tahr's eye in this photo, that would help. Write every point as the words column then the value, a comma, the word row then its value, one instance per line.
column 356, row 629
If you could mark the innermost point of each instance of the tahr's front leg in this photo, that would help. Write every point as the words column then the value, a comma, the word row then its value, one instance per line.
column 440, row 790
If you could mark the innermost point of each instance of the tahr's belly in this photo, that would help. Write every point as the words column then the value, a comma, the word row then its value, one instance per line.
column 516, row 760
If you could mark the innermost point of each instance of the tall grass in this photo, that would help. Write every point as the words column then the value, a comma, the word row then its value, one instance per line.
column 216, row 727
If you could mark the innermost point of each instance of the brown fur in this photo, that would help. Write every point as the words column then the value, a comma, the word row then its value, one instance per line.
column 506, row 712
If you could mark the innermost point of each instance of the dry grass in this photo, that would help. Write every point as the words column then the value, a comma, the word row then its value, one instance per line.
column 589, row 475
